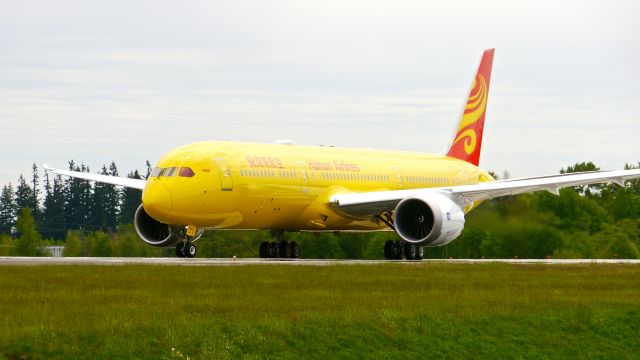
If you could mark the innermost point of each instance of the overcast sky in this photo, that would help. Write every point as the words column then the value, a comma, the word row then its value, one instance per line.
column 97, row 81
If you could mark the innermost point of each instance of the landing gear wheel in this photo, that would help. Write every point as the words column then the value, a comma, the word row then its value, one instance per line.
column 190, row 250
column 284, row 249
column 389, row 251
column 264, row 249
column 397, row 248
column 180, row 250
column 410, row 251
column 295, row 250
column 274, row 250
column 420, row 253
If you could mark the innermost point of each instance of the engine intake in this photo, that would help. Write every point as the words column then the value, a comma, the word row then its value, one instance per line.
column 431, row 220
column 152, row 231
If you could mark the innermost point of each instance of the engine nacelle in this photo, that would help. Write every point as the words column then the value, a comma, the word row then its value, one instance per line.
column 152, row 231
column 432, row 220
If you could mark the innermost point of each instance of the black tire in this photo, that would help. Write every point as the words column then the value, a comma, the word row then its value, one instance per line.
column 284, row 250
column 410, row 251
column 397, row 248
column 274, row 250
column 264, row 249
column 180, row 250
column 191, row 251
column 295, row 250
column 420, row 253
column 389, row 250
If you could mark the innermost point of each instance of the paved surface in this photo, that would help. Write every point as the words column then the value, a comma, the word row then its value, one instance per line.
column 300, row 262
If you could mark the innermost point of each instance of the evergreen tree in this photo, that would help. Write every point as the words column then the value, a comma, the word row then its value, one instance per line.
column 24, row 194
column 35, row 196
column 53, row 224
column 78, row 194
column 149, row 169
column 29, row 240
column 113, row 200
column 98, row 219
column 7, row 209
column 105, row 202
column 131, row 200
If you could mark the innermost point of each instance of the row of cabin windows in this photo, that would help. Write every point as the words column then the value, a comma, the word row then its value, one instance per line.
column 267, row 173
column 172, row 171
column 425, row 180
column 325, row 175
column 352, row 176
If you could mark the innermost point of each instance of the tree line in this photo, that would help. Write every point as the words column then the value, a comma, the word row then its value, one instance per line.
column 594, row 221
column 60, row 205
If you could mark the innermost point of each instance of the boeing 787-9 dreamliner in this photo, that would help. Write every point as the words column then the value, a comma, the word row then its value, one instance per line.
column 286, row 187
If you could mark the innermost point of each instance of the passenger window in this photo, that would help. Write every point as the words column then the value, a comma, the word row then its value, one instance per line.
column 186, row 172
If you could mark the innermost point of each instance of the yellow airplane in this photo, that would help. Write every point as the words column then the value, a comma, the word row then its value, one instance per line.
column 286, row 187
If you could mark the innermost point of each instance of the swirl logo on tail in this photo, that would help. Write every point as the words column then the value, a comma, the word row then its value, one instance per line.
column 468, row 139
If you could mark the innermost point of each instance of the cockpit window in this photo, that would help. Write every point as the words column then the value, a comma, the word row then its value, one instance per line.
column 170, row 171
column 186, row 172
column 156, row 172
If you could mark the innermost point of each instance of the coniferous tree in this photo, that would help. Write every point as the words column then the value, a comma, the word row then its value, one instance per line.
column 131, row 200
column 24, row 194
column 114, row 200
column 78, row 195
column 53, row 224
column 7, row 209
column 35, row 197
column 149, row 169
column 99, row 202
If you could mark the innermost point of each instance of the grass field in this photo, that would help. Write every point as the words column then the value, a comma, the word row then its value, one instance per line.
column 344, row 311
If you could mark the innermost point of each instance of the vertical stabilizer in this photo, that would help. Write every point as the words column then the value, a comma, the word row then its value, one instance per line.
column 467, row 142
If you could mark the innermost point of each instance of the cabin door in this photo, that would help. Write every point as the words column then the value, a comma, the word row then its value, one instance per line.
column 226, row 181
column 304, row 177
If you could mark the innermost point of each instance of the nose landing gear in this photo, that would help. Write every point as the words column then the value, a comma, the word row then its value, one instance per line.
column 186, row 248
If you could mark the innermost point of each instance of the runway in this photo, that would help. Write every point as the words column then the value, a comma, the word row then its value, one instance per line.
column 30, row 261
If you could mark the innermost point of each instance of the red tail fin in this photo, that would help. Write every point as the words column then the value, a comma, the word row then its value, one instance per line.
column 468, row 140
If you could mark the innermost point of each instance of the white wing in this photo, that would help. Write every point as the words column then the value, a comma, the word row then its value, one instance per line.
column 113, row 180
column 373, row 203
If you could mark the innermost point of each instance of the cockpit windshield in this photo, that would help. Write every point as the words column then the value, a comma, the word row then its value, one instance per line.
column 172, row 171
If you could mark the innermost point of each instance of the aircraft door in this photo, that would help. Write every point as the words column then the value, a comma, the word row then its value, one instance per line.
column 396, row 172
column 226, row 181
column 304, row 177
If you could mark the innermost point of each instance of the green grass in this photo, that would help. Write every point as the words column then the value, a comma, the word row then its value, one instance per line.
column 345, row 311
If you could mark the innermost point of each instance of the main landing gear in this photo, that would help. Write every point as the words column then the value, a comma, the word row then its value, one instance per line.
column 279, row 248
column 394, row 250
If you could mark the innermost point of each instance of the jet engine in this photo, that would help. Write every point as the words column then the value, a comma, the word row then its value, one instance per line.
column 152, row 231
column 430, row 220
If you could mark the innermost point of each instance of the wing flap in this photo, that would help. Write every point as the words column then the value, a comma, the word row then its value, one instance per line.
column 113, row 180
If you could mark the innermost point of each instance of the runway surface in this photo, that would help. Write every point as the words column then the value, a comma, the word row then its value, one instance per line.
column 298, row 262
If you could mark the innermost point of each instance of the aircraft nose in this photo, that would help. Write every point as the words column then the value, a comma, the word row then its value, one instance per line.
column 157, row 200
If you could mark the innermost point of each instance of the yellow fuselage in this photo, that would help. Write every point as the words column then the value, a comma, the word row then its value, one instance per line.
column 286, row 187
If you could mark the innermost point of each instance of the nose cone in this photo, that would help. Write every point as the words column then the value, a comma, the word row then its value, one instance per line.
column 157, row 201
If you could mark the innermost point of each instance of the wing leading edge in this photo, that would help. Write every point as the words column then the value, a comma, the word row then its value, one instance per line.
column 374, row 203
column 113, row 180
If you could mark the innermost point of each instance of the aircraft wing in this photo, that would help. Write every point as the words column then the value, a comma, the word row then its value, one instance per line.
column 373, row 203
column 113, row 180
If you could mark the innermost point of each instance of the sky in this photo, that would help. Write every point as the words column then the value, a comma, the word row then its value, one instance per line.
column 125, row 81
